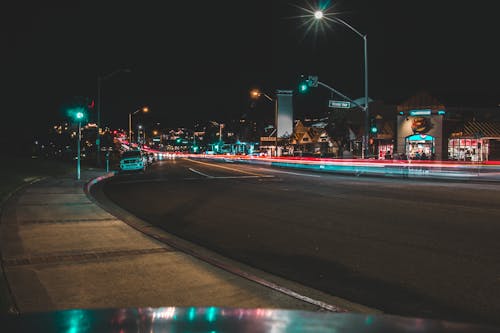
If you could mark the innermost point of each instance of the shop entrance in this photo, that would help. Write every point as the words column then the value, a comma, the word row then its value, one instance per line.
column 420, row 147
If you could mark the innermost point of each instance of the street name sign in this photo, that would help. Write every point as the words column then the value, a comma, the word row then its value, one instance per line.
column 339, row 104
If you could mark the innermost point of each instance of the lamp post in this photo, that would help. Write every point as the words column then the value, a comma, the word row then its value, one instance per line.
column 256, row 94
column 318, row 15
column 99, row 97
column 79, row 116
column 144, row 109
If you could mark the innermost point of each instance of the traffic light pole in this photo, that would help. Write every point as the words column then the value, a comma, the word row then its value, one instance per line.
column 98, row 139
column 367, row 112
column 276, row 125
column 79, row 138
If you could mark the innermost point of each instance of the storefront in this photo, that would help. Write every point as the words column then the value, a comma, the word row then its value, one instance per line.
column 466, row 150
column 420, row 147
column 420, row 134
column 419, row 128
column 385, row 151
column 476, row 142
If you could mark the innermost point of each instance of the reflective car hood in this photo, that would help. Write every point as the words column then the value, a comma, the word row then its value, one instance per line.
column 216, row 319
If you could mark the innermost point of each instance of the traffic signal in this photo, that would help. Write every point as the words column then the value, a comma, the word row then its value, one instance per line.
column 77, row 114
column 312, row 81
column 303, row 86
column 373, row 126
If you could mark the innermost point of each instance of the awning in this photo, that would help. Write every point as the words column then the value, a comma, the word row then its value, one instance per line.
column 479, row 129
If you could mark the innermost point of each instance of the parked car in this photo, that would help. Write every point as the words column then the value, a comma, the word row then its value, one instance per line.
column 132, row 160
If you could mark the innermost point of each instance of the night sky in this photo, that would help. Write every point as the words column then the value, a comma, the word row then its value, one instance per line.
column 196, row 60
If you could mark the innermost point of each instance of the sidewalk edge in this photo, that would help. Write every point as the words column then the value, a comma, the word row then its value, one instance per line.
column 5, row 289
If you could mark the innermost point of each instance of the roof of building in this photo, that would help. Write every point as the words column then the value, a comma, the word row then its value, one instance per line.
column 422, row 100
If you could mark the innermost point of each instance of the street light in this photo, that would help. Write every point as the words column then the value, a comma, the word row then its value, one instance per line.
column 144, row 109
column 318, row 15
column 79, row 117
column 99, row 96
column 78, row 114
column 256, row 93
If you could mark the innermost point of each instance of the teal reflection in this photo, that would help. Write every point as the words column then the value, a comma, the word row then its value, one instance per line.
column 191, row 313
column 74, row 321
column 369, row 320
column 211, row 313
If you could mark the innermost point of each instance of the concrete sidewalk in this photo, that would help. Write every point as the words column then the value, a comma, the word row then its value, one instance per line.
column 62, row 251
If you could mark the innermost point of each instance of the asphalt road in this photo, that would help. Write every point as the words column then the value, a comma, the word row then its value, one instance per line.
column 411, row 248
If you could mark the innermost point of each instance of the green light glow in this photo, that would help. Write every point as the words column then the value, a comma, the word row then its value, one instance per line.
column 191, row 313
column 211, row 314
column 77, row 113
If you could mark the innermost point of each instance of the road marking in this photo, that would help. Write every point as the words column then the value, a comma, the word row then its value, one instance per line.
column 228, row 168
column 241, row 177
column 224, row 177
column 291, row 173
column 200, row 173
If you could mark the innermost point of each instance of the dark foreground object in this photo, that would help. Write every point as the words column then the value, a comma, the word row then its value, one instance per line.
column 215, row 319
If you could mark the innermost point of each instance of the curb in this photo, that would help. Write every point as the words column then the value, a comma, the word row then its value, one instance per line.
column 11, row 306
column 94, row 181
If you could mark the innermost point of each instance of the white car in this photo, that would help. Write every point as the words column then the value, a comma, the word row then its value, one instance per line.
column 132, row 160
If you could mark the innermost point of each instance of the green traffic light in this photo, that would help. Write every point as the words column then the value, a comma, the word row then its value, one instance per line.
column 374, row 129
column 77, row 113
column 303, row 87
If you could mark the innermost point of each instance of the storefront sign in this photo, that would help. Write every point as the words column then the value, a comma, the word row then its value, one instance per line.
column 420, row 112
column 421, row 125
